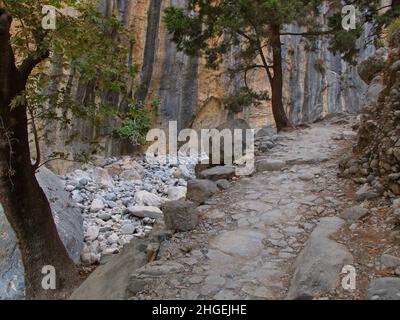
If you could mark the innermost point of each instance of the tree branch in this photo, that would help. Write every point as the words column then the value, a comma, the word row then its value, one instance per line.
column 31, row 62
column 309, row 33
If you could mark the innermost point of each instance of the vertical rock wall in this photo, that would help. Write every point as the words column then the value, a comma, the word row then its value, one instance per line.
column 316, row 81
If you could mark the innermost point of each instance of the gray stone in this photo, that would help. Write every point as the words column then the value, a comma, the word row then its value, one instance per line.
column 354, row 213
column 104, row 216
column 384, row 289
column 366, row 193
column 200, row 190
column 223, row 184
column 270, row 165
column 128, row 229
column 143, row 211
column 218, row 173
column 318, row 267
column 266, row 131
column 111, row 281
column 180, row 215
column 390, row 261
column 242, row 242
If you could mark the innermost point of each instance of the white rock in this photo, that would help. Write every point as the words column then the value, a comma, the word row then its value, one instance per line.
column 177, row 193
column 143, row 212
column 101, row 176
column 145, row 198
column 96, row 205
column 112, row 239
column 128, row 229
column 92, row 233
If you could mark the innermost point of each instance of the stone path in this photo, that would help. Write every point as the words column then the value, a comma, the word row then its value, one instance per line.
column 251, row 234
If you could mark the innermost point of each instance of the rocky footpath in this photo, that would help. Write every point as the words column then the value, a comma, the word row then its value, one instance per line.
column 285, row 232
column 243, row 242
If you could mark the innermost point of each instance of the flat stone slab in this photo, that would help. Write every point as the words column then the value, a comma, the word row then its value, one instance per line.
column 270, row 165
column 218, row 173
column 242, row 242
column 307, row 160
column 143, row 211
column 318, row 267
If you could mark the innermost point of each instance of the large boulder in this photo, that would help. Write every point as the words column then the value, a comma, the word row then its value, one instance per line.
column 318, row 267
column 145, row 198
column 200, row 190
column 370, row 67
column 110, row 281
column 218, row 173
column 180, row 215
column 69, row 224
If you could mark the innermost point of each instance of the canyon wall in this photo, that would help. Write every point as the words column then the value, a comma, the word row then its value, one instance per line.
column 316, row 82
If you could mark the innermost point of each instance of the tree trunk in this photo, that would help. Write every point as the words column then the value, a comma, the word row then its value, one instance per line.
column 278, row 110
column 24, row 202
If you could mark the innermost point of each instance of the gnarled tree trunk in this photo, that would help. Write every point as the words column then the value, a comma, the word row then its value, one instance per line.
column 278, row 110
column 23, row 200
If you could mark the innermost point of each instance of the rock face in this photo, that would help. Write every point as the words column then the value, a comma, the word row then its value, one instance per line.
column 379, row 131
column 315, row 81
column 69, row 224
column 318, row 267
column 11, row 268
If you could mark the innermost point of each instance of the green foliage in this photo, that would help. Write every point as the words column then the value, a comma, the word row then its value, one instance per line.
column 370, row 12
column 236, row 102
column 136, row 123
column 211, row 27
column 394, row 26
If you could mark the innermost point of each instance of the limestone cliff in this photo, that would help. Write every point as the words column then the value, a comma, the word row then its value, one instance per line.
column 316, row 81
